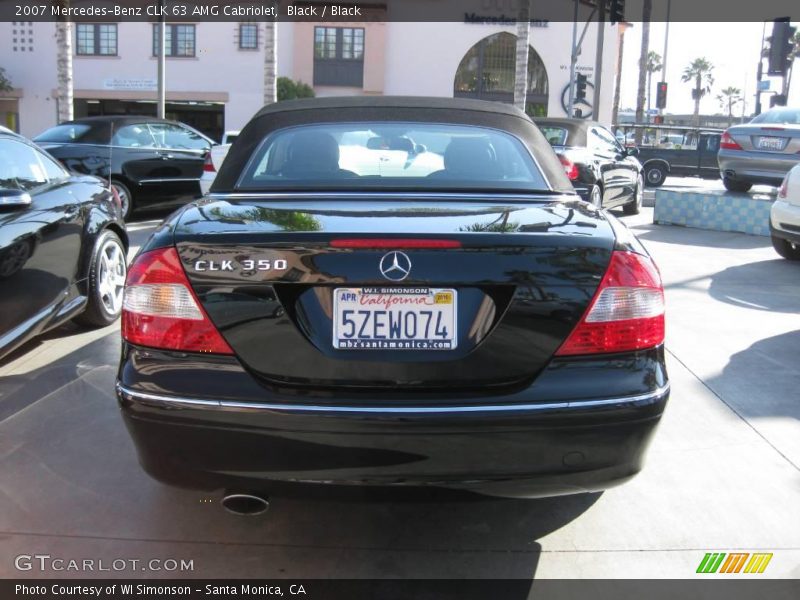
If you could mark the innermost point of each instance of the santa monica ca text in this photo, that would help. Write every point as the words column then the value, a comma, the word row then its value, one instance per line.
column 141, row 589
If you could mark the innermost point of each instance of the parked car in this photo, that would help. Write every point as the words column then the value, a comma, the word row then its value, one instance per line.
column 467, row 322
column 62, row 245
column 229, row 136
column 149, row 161
column 784, row 223
column 679, row 151
column 761, row 151
column 603, row 172
column 212, row 164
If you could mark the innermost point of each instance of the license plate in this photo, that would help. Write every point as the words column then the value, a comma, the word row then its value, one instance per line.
column 385, row 318
column 771, row 143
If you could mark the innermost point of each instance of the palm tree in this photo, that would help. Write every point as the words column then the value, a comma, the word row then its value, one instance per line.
column 270, row 62
column 64, row 66
column 647, row 8
column 521, row 73
column 653, row 66
column 615, row 108
column 699, row 72
column 728, row 98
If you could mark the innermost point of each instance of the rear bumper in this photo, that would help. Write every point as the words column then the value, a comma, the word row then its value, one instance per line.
column 767, row 168
column 784, row 221
column 495, row 447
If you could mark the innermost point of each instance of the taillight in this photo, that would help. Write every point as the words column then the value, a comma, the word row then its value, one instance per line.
column 727, row 142
column 784, row 189
column 208, row 165
column 160, row 310
column 570, row 168
column 626, row 313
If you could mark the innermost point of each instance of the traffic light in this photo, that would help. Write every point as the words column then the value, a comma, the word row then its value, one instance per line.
column 580, row 86
column 780, row 47
column 616, row 12
column 661, row 95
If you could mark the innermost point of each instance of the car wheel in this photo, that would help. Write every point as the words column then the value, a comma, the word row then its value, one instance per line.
column 596, row 196
column 107, row 273
column 125, row 197
column 655, row 176
column 634, row 206
column 736, row 186
column 786, row 249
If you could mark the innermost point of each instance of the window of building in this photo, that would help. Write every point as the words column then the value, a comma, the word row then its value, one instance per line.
column 180, row 40
column 96, row 39
column 248, row 36
column 339, row 56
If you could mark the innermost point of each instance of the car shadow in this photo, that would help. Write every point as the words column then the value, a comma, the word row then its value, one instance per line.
column 61, row 432
column 762, row 380
column 744, row 285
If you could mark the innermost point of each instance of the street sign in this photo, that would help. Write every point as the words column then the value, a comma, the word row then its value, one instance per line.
column 763, row 86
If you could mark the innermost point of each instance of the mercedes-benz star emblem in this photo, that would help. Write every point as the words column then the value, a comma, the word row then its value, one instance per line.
column 395, row 266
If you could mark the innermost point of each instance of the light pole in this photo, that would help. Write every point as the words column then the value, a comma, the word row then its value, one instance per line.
column 666, row 46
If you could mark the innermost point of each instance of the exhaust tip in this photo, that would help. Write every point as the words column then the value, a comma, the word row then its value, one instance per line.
column 245, row 504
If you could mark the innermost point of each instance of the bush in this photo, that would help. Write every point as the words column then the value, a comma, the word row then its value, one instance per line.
column 289, row 90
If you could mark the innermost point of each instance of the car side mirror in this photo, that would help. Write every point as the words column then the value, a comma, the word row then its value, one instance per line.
column 14, row 199
column 632, row 151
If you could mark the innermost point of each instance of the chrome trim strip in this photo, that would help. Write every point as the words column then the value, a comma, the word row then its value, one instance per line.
column 178, row 402
column 169, row 179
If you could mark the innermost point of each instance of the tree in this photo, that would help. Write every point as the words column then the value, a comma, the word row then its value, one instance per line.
column 64, row 66
column 289, row 90
column 270, row 62
column 699, row 72
column 523, row 39
column 647, row 8
column 728, row 98
column 653, row 66
column 5, row 83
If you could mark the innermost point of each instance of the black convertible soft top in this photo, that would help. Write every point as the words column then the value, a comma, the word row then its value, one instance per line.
column 410, row 109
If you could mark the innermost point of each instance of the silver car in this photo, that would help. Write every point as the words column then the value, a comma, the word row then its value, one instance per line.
column 761, row 151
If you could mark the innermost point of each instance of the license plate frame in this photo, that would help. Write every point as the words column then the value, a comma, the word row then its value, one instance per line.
column 442, row 303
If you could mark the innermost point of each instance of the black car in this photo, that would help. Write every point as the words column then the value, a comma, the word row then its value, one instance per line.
column 458, row 319
column 601, row 169
column 148, row 161
column 62, row 245
column 677, row 151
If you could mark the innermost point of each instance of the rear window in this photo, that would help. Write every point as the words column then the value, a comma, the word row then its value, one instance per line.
column 779, row 116
column 555, row 136
column 69, row 132
column 391, row 155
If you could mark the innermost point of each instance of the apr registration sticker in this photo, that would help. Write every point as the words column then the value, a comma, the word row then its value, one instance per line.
column 402, row 318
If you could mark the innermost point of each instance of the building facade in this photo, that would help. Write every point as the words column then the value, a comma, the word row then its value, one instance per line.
column 215, row 70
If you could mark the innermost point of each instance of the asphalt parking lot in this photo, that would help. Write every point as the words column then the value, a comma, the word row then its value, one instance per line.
column 723, row 473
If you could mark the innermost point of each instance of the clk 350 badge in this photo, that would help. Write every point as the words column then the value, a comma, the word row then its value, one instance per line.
column 263, row 264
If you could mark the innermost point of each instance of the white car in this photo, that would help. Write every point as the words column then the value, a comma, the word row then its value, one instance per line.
column 213, row 162
column 784, row 222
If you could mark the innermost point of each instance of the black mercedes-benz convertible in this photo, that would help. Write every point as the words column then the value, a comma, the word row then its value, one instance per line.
column 392, row 292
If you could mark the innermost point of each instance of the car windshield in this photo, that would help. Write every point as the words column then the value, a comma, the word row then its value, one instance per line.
column 392, row 155
column 779, row 116
column 68, row 132
column 556, row 136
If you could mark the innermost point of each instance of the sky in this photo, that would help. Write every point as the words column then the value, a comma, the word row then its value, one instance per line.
column 732, row 48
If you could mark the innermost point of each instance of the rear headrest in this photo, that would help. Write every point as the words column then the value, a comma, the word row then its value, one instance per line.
column 474, row 157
